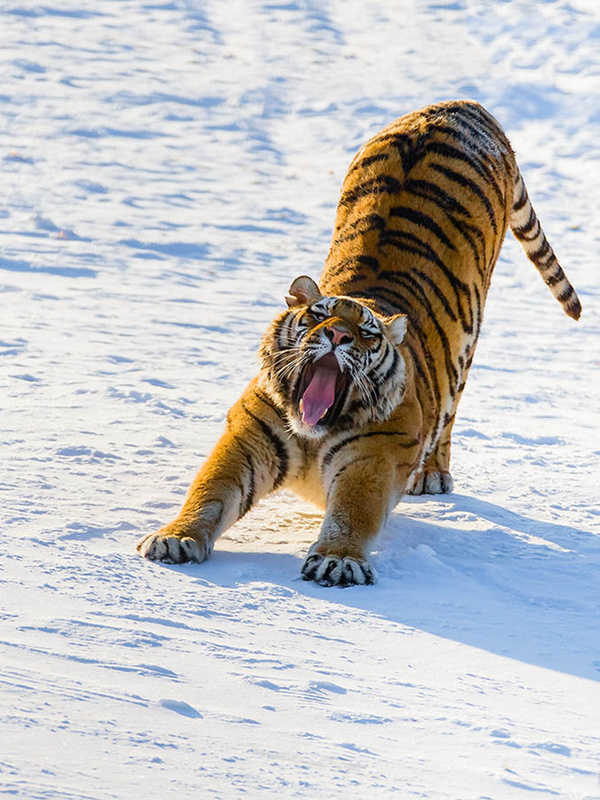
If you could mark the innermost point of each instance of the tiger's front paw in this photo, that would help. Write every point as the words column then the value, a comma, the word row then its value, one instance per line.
column 172, row 548
column 433, row 481
column 333, row 570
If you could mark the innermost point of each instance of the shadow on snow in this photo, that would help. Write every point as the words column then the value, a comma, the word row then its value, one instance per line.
column 510, row 584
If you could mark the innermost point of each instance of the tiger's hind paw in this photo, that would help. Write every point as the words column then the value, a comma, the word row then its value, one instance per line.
column 433, row 481
column 173, row 549
column 336, row 571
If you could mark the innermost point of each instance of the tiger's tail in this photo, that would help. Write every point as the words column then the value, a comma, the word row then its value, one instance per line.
column 526, row 226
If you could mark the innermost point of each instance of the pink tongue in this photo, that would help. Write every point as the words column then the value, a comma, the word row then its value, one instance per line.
column 319, row 395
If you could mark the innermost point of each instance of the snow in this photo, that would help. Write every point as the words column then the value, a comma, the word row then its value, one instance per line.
column 168, row 169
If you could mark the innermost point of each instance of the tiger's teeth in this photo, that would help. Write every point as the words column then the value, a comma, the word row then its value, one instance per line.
column 323, row 414
column 301, row 406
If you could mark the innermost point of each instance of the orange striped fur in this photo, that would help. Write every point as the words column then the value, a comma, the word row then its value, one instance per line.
column 361, row 376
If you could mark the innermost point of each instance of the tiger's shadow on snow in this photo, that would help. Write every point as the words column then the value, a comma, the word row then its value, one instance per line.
column 464, row 569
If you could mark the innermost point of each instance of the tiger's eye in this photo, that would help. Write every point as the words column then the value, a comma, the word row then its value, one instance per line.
column 368, row 334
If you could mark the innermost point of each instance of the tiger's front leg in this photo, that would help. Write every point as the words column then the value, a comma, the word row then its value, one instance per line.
column 252, row 458
column 364, row 481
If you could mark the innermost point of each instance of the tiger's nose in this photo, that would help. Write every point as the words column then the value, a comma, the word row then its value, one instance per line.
column 337, row 335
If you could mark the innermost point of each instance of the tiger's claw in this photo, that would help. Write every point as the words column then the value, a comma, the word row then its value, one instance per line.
column 336, row 571
column 172, row 549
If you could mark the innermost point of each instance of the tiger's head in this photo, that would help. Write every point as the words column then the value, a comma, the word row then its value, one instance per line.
column 332, row 362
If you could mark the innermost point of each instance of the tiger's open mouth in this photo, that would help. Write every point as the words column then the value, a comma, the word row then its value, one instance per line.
column 321, row 392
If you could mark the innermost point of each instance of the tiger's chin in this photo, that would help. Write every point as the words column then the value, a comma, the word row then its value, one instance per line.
column 306, row 431
column 320, row 429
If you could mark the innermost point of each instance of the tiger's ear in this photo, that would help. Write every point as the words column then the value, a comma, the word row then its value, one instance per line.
column 303, row 292
column 396, row 327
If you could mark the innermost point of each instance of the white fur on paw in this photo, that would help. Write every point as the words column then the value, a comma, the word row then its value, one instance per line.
column 336, row 571
column 433, row 482
column 172, row 549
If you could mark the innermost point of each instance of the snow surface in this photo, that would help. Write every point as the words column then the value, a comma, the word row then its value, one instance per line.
column 169, row 168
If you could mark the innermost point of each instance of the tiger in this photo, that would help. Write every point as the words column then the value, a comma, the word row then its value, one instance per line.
column 361, row 374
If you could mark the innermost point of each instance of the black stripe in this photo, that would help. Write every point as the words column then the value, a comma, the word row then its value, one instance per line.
column 542, row 251
column 522, row 231
column 381, row 184
column 385, row 306
column 394, row 137
column 356, row 277
column 423, row 221
column 432, row 389
column 367, row 224
column 566, row 294
column 375, row 221
column 435, row 194
column 537, row 232
column 410, row 150
column 479, row 320
column 523, row 197
column 448, row 419
column 248, row 502
column 366, row 261
column 356, row 405
column 281, row 347
column 271, row 405
column 356, row 234
column 341, row 471
column 447, row 106
column 556, row 277
column 333, row 451
column 365, row 162
column 465, row 230
column 462, row 180
column 383, row 379
column 278, row 446
column 278, row 332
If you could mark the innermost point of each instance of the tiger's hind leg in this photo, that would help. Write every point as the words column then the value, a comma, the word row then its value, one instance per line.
column 435, row 477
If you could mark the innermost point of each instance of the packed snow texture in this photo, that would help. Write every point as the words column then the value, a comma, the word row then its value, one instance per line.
column 168, row 169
